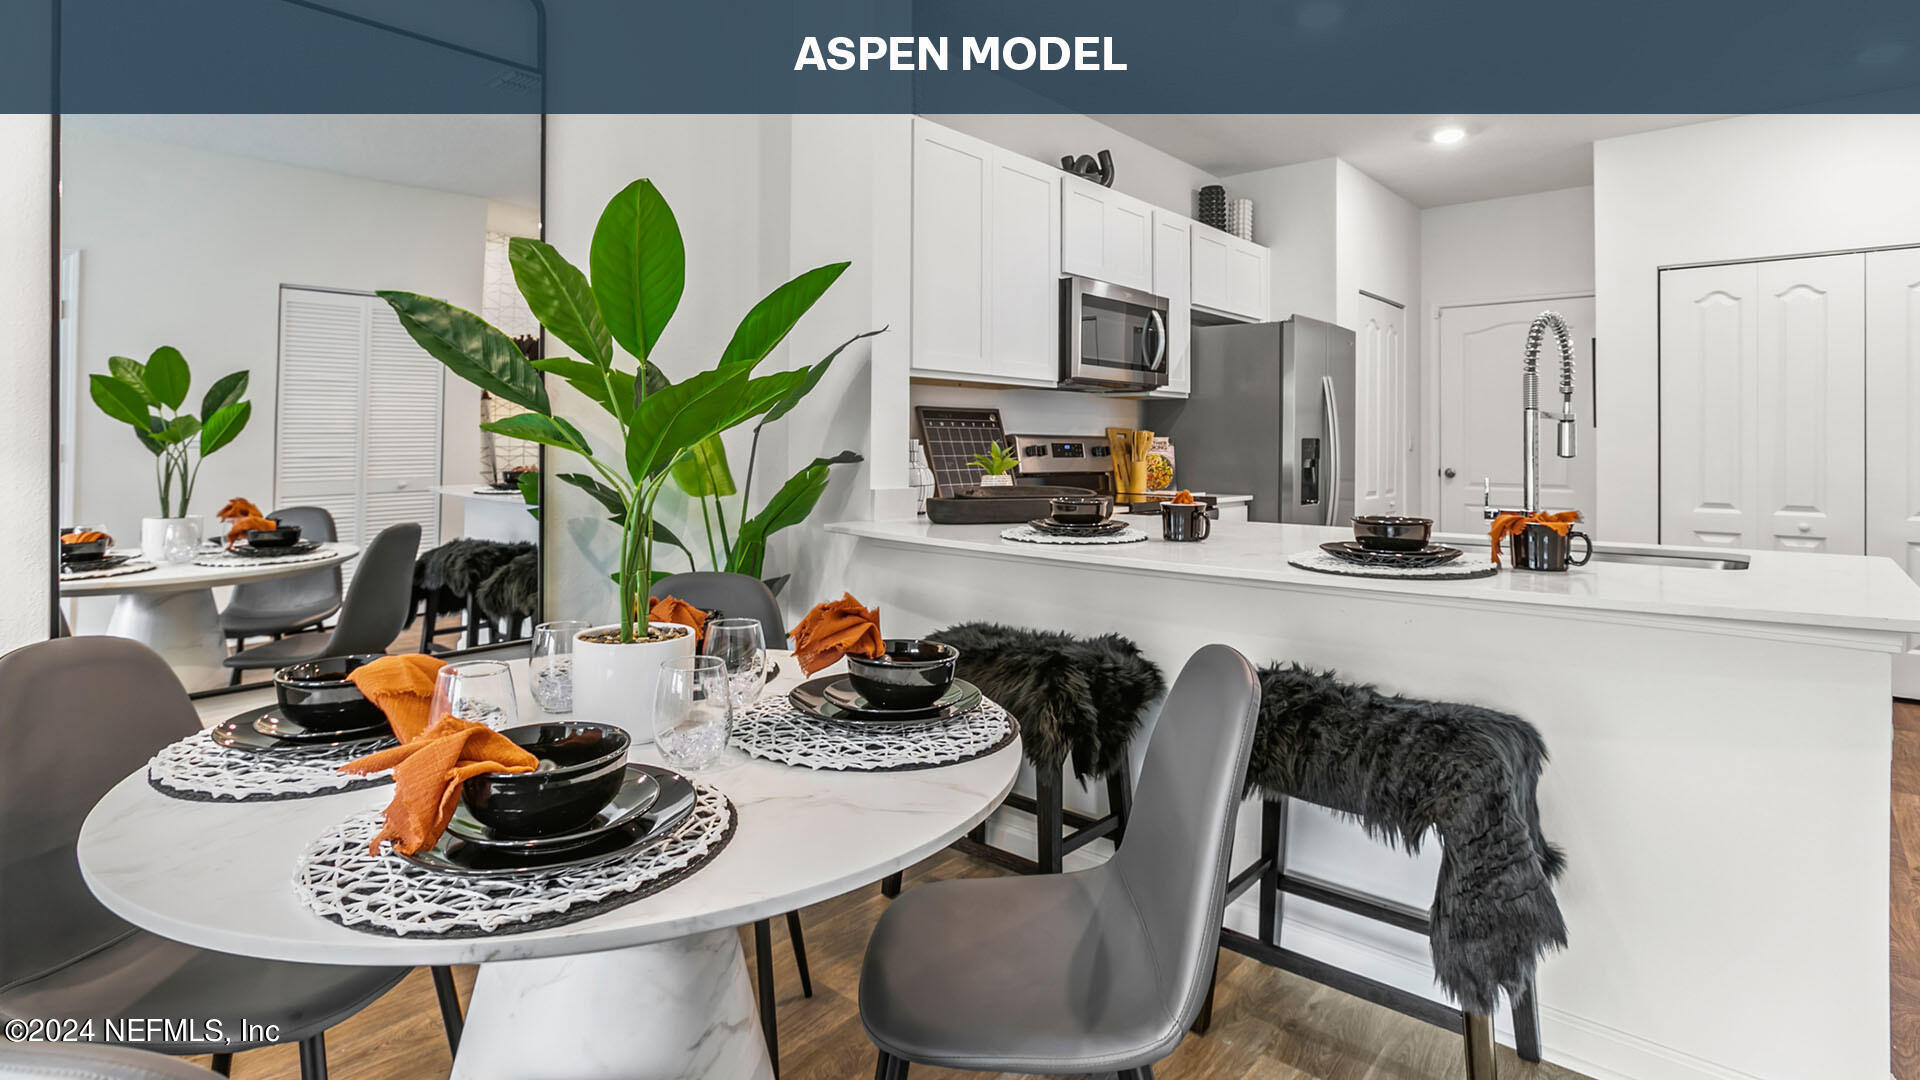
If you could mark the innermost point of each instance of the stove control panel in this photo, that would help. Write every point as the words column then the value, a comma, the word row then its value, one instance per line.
column 1062, row 453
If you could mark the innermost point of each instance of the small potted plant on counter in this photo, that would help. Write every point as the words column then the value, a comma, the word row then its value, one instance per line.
column 638, row 264
column 996, row 466
column 148, row 398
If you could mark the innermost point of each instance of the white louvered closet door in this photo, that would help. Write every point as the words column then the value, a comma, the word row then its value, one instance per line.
column 358, row 416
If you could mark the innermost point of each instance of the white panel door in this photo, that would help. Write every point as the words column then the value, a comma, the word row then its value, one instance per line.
column 1893, row 425
column 1023, row 216
column 1481, row 349
column 1709, row 403
column 1173, row 279
column 1810, row 385
column 951, row 302
column 1380, row 407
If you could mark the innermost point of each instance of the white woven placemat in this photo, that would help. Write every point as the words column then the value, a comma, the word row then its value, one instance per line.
column 226, row 558
column 116, row 571
column 773, row 729
column 1027, row 534
column 200, row 770
column 1463, row 568
column 386, row 894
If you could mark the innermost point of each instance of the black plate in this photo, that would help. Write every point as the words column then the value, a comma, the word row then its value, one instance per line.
column 104, row 562
column 638, row 793
column 453, row 855
column 274, row 724
column 1105, row 528
column 1351, row 551
column 251, row 552
column 832, row 698
column 239, row 733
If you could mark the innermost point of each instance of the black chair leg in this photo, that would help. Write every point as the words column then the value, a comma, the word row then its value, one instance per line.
column 313, row 1057
column 1204, row 1022
column 763, row 969
column 890, row 885
column 1048, row 821
column 799, row 942
column 1144, row 1072
column 1478, row 1038
column 223, row 1064
column 1120, row 801
column 426, row 626
column 450, row 1017
column 1526, row 1023
column 1273, row 849
column 889, row 1067
column 234, row 679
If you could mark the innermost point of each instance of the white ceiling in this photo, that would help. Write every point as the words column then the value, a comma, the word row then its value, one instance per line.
column 494, row 157
column 1501, row 155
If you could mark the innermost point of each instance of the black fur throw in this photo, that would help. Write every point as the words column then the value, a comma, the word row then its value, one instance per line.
column 1402, row 766
column 509, row 593
column 1073, row 697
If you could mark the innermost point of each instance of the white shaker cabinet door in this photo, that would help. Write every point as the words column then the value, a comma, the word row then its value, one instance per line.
column 1210, row 268
column 1173, row 279
column 1105, row 235
column 1023, row 216
column 1893, row 407
column 952, row 304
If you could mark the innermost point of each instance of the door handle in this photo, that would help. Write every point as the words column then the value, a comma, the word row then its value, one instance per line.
column 1448, row 473
column 1331, row 400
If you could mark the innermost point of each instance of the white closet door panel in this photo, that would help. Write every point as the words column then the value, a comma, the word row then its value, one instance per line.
column 952, row 309
column 320, row 408
column 1893, row 407
column 1708, row 404
column 1380, row 436
column 1023, row 218
column 1810, row 383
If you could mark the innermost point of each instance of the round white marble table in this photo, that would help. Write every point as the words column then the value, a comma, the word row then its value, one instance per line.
column 657, row 988
column 171, row 607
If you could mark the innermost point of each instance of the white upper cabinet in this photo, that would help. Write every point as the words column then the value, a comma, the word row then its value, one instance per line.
column 1105, row 235
column 986, row 261
column 1173, row 279
column 1231, row 275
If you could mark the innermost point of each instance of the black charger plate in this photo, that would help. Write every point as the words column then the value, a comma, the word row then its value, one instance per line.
column 103, row 562
column 455, row 855
column 832, row 698
column 1105, row 528
column 637, row 795
column 243, row 733
column 299, row 548
column 1353, row 552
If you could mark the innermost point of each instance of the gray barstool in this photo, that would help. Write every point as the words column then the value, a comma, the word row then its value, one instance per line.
column 374, row 611
column 83, row 713
column 1094, row 971
column 740, row 596
column 89, row 1061
column 290, row 604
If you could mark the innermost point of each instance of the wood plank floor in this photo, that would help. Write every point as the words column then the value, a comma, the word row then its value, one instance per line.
column 1268, row 1025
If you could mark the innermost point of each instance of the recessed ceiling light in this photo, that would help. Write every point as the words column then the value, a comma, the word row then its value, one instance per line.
column 1448, row 135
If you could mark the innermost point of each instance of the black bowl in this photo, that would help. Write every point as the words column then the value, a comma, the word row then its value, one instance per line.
column 1387, row 532
column 1081, row 509
column 912, row 675
column 284, row 536
column 317, row 696
column 581, row 769
column 83, row 551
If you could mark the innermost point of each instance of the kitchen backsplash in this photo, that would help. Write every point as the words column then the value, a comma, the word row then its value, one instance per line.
column 1037, row 412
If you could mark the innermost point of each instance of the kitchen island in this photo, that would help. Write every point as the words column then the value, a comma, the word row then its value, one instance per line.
column 1720, row 740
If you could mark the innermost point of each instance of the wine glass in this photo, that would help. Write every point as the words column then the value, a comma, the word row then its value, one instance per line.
column 552, row 664
column 741, row 645
column 181, row 540
column 477, row 690
column 692, row 711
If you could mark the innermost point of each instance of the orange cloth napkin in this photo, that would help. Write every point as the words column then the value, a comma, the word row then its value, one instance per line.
column 835, row 629
column 242, row 525
column 239, row 508
column 675, row 610
column 401, row 687
column 427, row 774
column 1511, row 524
column 86, row 537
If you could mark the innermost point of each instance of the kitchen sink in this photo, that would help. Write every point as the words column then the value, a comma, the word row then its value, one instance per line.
column 1682, row 558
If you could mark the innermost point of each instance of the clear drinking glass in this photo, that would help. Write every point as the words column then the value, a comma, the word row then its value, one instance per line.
column 690, row 711
column 552, row 664
column 741, row 645
column 477, row 690
column 181, row 541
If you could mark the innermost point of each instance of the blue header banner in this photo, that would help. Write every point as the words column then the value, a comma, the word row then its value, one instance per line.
column 934, row 56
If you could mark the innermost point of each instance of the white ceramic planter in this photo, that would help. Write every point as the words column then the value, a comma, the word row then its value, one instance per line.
column 613, row 684
column 996, row 480
column 154, row 533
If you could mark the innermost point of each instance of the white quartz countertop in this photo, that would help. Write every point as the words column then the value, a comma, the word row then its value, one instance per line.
column 1778, row 592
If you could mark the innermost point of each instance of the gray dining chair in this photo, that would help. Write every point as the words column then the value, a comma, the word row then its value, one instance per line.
column 91, row 1061
column 743, row 597
column 83, row 713
column 1095, row 971
column 370, row 618
column 287, row 605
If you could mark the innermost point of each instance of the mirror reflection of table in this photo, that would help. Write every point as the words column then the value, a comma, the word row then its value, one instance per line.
column 494, row 514
column 170, row 608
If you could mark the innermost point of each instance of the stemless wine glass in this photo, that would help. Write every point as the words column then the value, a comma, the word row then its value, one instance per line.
column 741, row 645
column 181, row 540
column 476, row 690
column 552, row 664
column 691, row 710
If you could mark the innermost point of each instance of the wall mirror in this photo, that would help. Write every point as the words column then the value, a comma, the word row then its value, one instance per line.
column 220, row 347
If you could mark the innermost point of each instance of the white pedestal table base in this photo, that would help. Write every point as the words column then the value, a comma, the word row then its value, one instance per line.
column 182, row 626
column 680, row 1008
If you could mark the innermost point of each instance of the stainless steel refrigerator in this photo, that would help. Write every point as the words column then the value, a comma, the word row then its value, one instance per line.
column 1269, row 414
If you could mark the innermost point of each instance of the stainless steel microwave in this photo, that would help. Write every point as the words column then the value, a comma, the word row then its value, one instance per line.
column 1111, row 337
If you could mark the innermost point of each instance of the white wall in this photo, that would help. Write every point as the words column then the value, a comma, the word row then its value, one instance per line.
column 1139, row 170
column 1747, row 188
column 188, row 247
column 1295, row 212
column 26, row 309
column 1377, row 250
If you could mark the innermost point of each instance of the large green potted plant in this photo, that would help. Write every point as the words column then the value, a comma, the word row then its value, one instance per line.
column 148, row 398
column 638, row 271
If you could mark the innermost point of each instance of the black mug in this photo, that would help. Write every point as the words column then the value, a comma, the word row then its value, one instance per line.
column 1540, row 547
column 1184, row 522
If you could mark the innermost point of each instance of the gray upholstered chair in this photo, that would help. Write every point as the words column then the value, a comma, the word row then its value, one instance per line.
column 1094, row 971
column 740, row 596
column 89, row 1061
column 374, row 611
column 62, row 954
column 290, row 604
